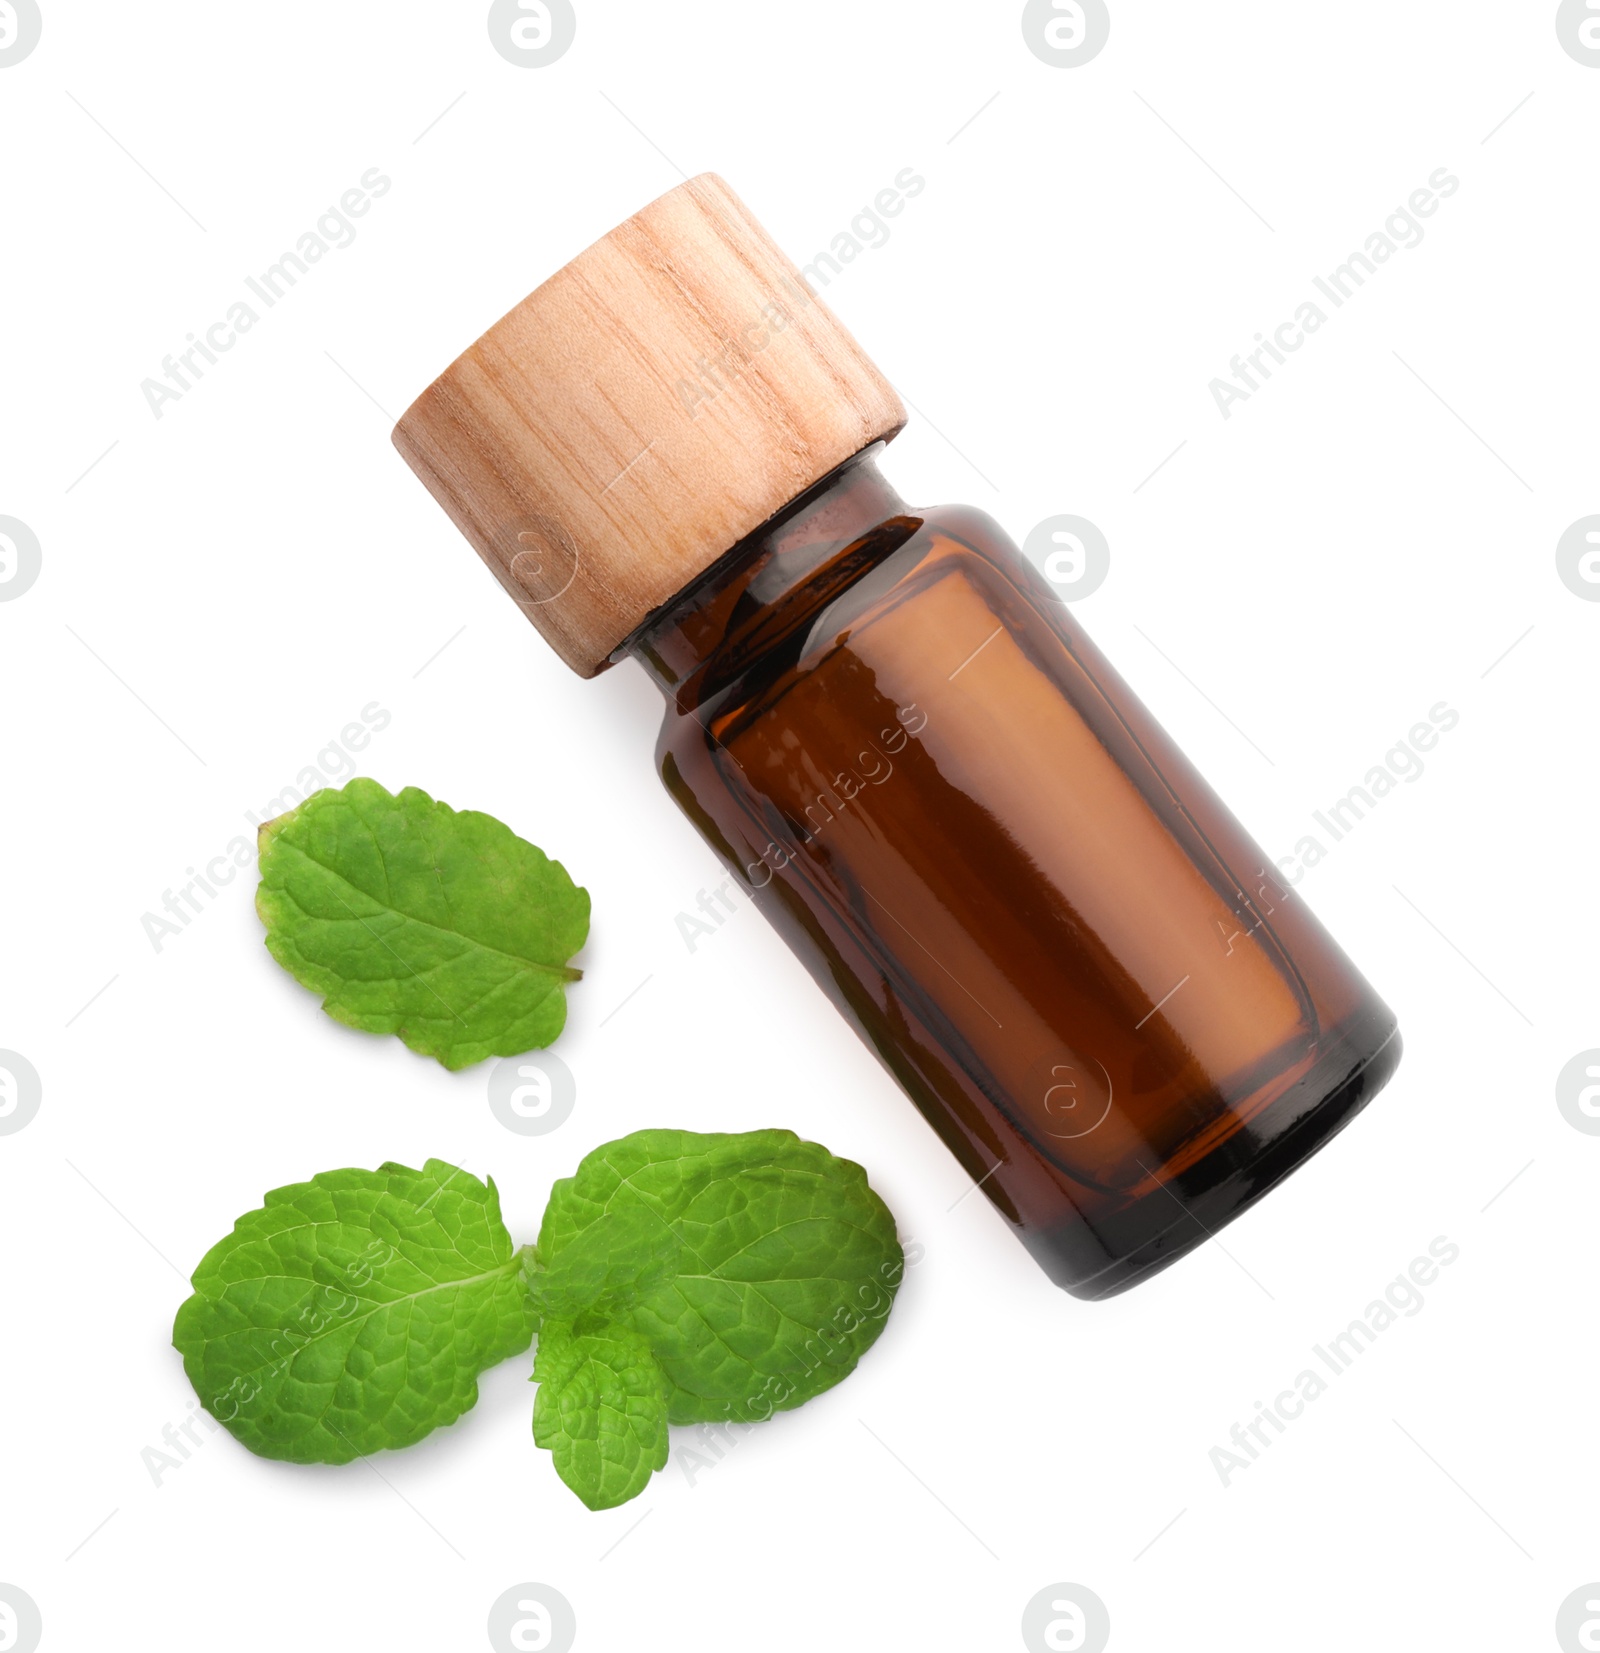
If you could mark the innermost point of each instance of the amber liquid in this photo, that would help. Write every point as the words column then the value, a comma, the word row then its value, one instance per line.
column 1054, row 935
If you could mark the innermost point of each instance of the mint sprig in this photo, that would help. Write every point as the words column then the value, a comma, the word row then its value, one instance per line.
column 437, row 925
column 678, row 1278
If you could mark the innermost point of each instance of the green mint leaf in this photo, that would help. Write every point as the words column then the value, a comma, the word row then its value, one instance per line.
column 757, row 1268
column 601, row 1411
column 354, row 1312
column 438, row 925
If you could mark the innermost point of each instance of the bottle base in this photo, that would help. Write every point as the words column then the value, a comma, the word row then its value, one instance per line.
column 1099, row 1257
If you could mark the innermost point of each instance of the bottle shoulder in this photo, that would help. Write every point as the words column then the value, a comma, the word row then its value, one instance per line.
column 950, row 541
column 973, row 527
column 916, row 550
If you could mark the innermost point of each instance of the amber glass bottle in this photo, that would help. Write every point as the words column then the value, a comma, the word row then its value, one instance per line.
column 1004, row 873
column 1056, row 938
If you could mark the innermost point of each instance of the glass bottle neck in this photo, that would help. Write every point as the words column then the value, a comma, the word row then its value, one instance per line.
column 739, row 600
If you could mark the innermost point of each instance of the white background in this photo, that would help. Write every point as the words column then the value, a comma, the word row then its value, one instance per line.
column 230, row 585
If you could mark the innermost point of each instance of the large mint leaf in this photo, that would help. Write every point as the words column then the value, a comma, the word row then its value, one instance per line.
column 601, row 1411
column 763, row 1267
column 409, row 917
column 354, row 1311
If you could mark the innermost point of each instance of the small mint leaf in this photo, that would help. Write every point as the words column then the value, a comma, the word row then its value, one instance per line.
column 601, row 1412
column 354, row 1312
column 440, row 926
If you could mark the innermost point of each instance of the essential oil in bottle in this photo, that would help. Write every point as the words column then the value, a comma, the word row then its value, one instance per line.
column 1053, row 934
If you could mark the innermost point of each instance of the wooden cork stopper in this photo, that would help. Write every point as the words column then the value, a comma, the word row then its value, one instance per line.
column 653, row 403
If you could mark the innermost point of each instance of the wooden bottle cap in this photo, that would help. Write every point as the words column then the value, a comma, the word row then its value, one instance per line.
column 652, row 404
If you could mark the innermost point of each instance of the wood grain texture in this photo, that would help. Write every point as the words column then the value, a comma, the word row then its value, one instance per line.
column 645, row 409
